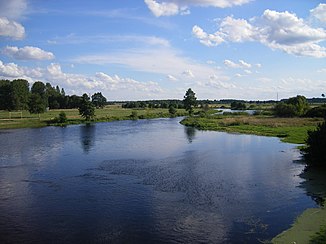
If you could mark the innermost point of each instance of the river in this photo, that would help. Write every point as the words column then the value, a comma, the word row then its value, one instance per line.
column 146, row 181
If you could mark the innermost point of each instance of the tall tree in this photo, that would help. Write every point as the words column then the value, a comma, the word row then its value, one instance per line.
column 19, row 94
column 5, row 93
column 98, row 100
column 190, row 101
column 86, row 108
column 39, row 88
column 36, row 104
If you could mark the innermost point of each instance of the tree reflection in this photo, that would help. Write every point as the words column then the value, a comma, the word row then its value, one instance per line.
column 87, row 134
column 190, row 133
column 315, row 184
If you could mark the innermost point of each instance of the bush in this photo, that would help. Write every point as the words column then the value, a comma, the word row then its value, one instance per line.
column 315, row 152
column 294, row 106
column 285, row 110
column 319, row 112
column 134, row 115
column 238, row 106
column 62, row 118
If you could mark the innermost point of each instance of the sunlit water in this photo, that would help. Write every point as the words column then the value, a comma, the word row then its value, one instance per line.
column 146, row 181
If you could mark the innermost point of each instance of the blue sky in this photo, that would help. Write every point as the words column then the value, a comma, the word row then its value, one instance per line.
column 154, row 49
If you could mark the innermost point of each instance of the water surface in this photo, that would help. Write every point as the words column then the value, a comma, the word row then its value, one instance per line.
column 146, row 181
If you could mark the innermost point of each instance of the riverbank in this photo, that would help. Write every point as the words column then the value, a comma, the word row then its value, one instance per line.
column 291, row 130
column 110, row 113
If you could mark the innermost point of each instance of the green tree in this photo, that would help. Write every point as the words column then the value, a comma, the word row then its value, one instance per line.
column 5, row 93
column 315, row 153
column 41, row 89
column 98, row 100
column 294, row 106
column 36, row 104
column 86, row 108
column 172, row 110
column 190, row 101
column 300, row 103
column 19, row 94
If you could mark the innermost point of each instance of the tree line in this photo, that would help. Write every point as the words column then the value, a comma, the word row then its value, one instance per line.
column 17, row 95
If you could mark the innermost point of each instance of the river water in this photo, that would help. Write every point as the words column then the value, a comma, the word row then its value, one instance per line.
column 145, row 181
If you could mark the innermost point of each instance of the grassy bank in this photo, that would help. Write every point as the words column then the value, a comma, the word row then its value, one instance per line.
column 109, row 113
column 292, row 130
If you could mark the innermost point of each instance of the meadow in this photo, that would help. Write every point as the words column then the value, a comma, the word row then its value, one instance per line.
column 291, row 130
column 25, row 119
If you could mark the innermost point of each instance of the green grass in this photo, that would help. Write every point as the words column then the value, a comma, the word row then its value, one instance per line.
column 292, row 130
column 109, row 113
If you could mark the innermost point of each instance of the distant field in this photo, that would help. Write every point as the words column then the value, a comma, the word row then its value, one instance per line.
column 109, row 113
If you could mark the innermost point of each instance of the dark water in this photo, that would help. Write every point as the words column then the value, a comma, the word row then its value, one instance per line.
column 146, row 181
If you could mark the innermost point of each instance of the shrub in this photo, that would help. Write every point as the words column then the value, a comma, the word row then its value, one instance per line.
column 319, row 112
column 315, row 152
column 62, row 118
column 285, row 110
column 294, row 106
column 134, row 115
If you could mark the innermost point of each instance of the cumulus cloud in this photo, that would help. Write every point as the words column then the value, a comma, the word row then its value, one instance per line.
column 277, row 30
column 10, row 70
column 209, row 40
column 78, row 83
column 27, row 53
column 12, row 29
column 319, row 12
column 174, row 7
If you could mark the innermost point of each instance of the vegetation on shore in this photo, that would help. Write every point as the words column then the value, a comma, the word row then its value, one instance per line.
column 107, row 114
column 292, row 130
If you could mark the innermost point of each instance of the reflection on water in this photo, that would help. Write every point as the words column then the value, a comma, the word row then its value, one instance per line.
column 87, row 134
column 190, row 133
column 146, row 181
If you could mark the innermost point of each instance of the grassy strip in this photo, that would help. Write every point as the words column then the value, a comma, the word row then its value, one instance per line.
column 109, row 113
column 309, row 227
column 292, row 130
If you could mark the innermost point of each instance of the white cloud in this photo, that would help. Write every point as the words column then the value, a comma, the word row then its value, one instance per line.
column 162, row 9
column 27, row 53
column 12, row 29
column 13, row 9
column 188, row 73
column 138, row 39
column 319, row 12
column 10, row 70
column 162, row 61
column 248, row 71
column 117, row 87
column 172, row 78
column 277, row 30
column 242, row 64
column 209, row 40
column 174, row 7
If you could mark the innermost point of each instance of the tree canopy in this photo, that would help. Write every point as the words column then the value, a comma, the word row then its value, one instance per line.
column 190, row 101
column 294, row 106
column 86, row 108
column 98, row 100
